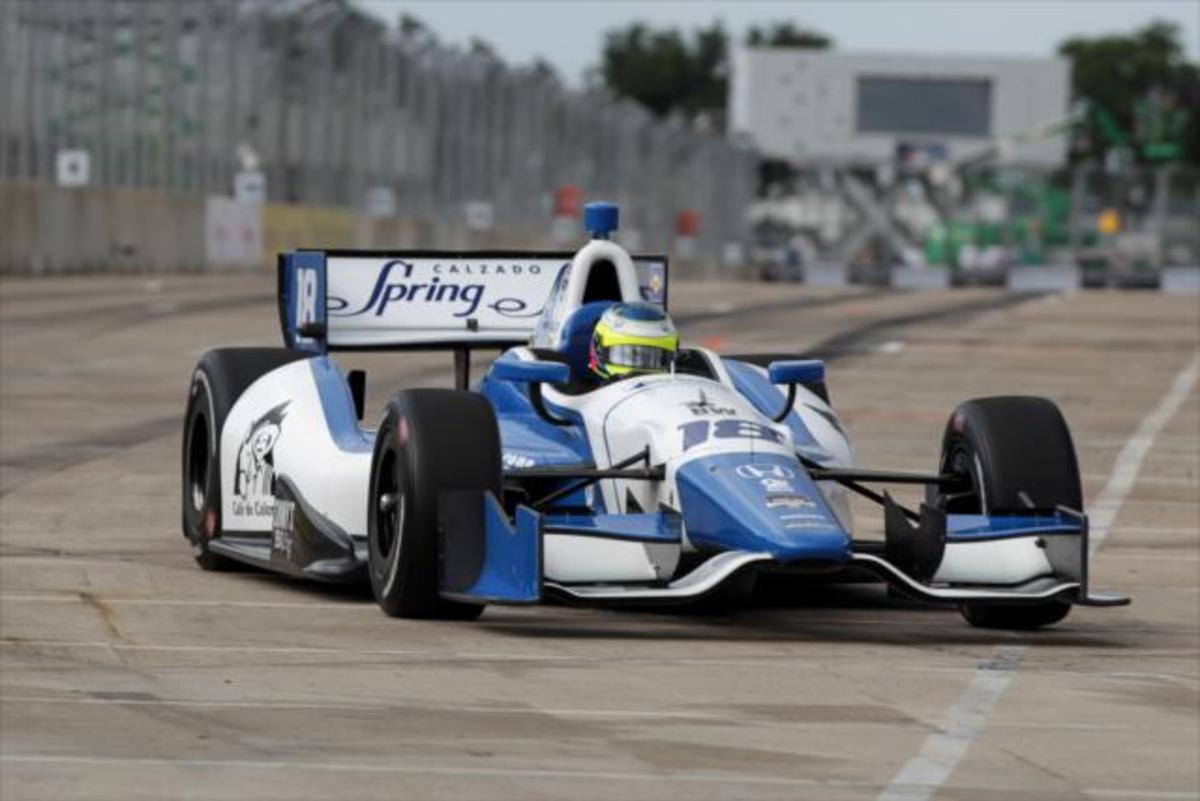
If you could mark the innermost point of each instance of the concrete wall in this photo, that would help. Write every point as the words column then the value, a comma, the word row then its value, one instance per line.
column 49, row 229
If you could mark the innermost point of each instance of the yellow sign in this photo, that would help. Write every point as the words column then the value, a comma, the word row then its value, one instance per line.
column 290, row 227
column 1109, row 222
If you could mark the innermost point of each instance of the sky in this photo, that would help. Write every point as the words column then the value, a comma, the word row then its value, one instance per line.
column 569, row 35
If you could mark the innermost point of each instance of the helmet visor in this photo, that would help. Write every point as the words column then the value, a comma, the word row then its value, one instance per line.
column 640, row 357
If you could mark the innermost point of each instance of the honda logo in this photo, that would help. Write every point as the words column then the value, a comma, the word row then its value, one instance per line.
column 761, row 471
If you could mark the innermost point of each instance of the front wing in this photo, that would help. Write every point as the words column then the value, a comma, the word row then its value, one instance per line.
column 485, row 557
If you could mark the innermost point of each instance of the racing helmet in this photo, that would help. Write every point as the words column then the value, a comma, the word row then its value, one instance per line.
column 632, row 339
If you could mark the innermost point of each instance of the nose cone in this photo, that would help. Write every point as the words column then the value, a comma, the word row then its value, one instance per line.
column 758, row 502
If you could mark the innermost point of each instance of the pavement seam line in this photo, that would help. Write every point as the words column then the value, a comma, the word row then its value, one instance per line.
column 923, row 775
column 701, row 777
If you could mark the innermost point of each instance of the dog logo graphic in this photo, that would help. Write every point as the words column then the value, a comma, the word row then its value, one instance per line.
column 254, row 484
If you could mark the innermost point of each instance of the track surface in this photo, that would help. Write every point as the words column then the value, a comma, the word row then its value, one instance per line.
column 127, row 673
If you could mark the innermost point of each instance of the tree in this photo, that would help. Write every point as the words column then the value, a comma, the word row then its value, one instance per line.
column 415, row 31
column 785, row 34
column 666, row 70
column 1119, row 72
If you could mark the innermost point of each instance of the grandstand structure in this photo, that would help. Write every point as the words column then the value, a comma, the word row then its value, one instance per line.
column 337, row 109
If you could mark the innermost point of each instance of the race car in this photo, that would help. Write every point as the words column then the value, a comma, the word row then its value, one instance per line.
column 678, row 480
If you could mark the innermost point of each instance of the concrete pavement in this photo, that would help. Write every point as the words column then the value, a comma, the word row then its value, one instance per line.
column 127, row 673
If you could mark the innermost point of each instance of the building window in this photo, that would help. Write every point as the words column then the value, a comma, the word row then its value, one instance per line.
column 946, row 106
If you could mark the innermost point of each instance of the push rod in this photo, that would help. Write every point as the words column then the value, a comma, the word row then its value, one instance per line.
column 641, row 456
column 842, row 477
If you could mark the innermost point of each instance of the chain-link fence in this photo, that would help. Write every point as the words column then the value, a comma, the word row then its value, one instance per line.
column 333, row 108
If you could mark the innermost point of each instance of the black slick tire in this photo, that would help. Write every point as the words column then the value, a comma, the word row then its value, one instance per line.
column 430, row 441
column 220, row 377
column 1012, row 452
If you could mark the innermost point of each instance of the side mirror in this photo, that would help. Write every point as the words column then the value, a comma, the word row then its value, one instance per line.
column 534, row 374
column 797, row 371
column 793, row 372
column 531, row 372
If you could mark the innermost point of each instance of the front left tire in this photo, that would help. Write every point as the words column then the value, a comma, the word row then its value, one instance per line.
column 430, row 441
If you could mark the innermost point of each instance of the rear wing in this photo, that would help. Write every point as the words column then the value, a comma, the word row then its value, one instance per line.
column 372, row 300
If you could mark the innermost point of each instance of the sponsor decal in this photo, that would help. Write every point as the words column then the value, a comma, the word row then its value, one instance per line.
column 791, row 500
column 307, row 284
column 803, row 516
column 448, row 283
column 703, row 407
column 283, row 528
column 254, row 482
column 774, row 478
column 698, row 432
column 655, row 285
column 828, row 417
column 761, row 471
column 517, row 461
column 823, row 523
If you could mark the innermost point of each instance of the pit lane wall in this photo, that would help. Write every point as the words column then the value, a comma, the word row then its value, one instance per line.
column 52, row 230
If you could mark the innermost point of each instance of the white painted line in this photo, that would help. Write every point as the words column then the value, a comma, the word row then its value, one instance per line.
column 1152, row 530
column 414, row 656
column 1190, row 482
column 349, row 605
column 563, row 712
column 1103, row 511
column 1162, row 678
column 265, row 649
column 1165, row 728
column 1154, row 556
column 690, row 777
column 1165, row 795
column 1184, row 444
column 286, row 649
column 923, row 775
column 942, row 750
column 75, row 599
column 367, row 707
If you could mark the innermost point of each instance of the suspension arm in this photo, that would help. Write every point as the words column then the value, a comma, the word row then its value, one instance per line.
column 618, row 470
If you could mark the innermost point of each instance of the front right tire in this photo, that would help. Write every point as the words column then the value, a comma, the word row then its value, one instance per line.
column 1011, row 453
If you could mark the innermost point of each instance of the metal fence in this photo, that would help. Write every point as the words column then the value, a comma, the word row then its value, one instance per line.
column 332, row 104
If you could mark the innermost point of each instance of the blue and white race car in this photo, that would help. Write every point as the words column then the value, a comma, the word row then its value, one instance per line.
column 540, row 482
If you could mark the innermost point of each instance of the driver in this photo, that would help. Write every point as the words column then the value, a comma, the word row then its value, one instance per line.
column 632, row 339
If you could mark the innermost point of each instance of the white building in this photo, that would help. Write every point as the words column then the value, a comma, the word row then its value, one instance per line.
column 815, row 107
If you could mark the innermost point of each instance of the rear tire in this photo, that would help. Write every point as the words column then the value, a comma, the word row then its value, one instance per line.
column 1009, row 450
column 221, row 377
column 431, row 440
